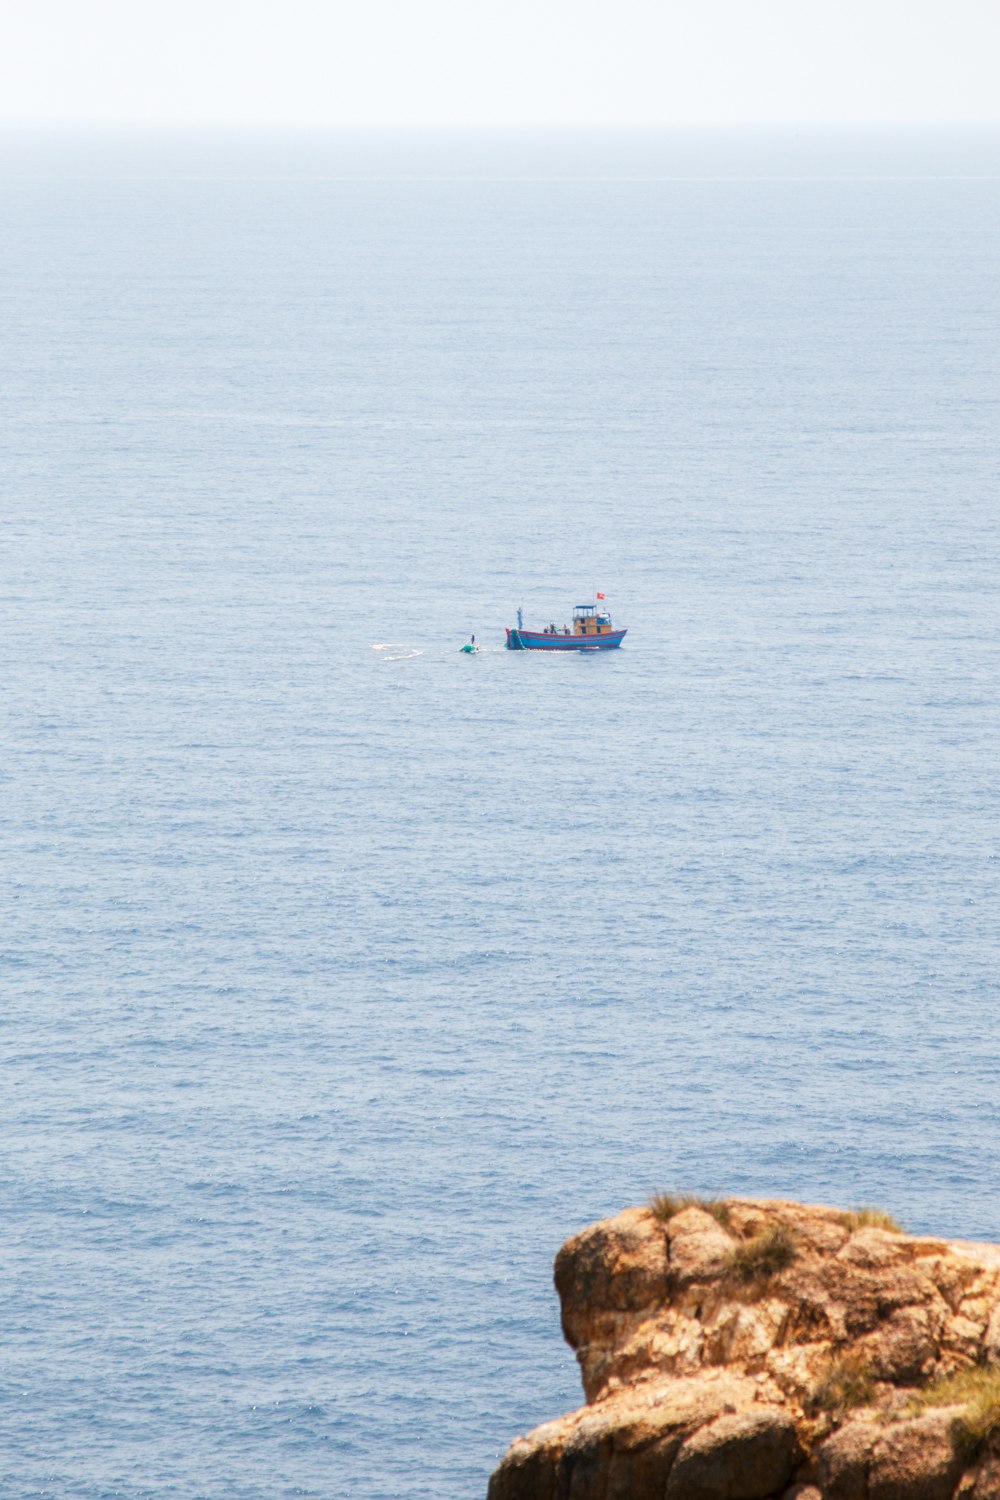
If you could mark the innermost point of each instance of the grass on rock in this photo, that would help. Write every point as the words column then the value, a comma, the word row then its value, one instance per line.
column 762, row 1256
column 848, row 1382
column 977, row 1391
column 871, row 1218
column 666, row 1205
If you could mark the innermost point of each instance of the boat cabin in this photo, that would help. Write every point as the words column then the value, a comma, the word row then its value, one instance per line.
column 588, row 620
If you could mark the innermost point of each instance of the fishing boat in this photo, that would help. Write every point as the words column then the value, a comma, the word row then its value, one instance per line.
column 592, row 630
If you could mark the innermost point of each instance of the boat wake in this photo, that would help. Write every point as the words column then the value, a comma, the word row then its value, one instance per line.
column 396, row 652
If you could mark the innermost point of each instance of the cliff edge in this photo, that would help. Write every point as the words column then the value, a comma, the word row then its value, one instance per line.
column 752, row 1349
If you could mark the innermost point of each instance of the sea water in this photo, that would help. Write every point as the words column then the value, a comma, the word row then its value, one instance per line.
column 345, row 974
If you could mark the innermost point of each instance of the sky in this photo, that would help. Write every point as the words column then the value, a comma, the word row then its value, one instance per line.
column 499, row 62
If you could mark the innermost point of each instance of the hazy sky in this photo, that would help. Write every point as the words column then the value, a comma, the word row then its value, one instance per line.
column 500, row 61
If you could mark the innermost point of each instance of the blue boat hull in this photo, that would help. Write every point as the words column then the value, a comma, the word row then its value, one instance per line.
column 537, row 640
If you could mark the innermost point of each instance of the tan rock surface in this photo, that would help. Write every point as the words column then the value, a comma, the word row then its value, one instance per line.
column 764, row 1350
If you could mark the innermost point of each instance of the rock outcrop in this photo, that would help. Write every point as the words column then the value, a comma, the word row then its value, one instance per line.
column 751, row 1349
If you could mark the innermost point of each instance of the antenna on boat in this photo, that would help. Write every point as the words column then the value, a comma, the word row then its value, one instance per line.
column 520, row 617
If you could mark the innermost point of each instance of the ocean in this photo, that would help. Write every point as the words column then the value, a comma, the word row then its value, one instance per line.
column 344, row 975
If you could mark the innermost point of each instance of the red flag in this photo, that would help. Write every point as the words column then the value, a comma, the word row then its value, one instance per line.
column 600, row 596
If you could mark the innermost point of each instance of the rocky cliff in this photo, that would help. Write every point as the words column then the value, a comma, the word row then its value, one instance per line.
column 749, row 1349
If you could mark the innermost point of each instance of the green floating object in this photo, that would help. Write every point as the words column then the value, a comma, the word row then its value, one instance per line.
column 469, row 649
